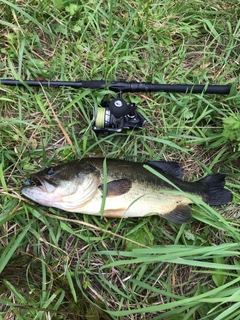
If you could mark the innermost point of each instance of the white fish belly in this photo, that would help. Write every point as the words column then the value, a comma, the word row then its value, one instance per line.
column 133, row 205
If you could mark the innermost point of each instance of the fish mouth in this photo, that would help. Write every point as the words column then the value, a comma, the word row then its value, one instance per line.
column 41, row 184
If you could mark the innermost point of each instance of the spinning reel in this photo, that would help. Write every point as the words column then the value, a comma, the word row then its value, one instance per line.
column 117, row 115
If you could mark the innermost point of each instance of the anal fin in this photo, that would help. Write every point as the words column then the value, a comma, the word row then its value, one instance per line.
column 180, row 215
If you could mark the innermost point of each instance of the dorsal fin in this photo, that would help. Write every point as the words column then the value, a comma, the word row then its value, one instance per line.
column 172, row 168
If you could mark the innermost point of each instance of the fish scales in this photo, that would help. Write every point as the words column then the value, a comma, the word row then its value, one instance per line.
column 131, row 189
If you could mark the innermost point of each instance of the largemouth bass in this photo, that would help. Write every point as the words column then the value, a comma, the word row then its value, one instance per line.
column 121, row 189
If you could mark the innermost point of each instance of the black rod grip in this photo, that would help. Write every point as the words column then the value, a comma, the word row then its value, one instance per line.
column 181, row 88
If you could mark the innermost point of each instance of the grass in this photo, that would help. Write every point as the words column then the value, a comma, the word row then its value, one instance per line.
column 56, row 265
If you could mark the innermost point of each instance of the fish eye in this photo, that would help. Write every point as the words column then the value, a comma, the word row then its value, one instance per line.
column 50, row 171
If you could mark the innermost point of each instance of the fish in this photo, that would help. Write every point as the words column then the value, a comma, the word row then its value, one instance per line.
column 121, row 189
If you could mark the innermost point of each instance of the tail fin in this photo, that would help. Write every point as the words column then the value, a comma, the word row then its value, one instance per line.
column 216, row 194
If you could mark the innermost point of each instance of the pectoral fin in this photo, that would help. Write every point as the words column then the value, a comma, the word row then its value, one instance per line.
column 117, row 187
column 179, row 215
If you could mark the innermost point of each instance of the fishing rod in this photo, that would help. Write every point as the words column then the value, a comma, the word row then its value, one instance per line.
column 117, row 115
